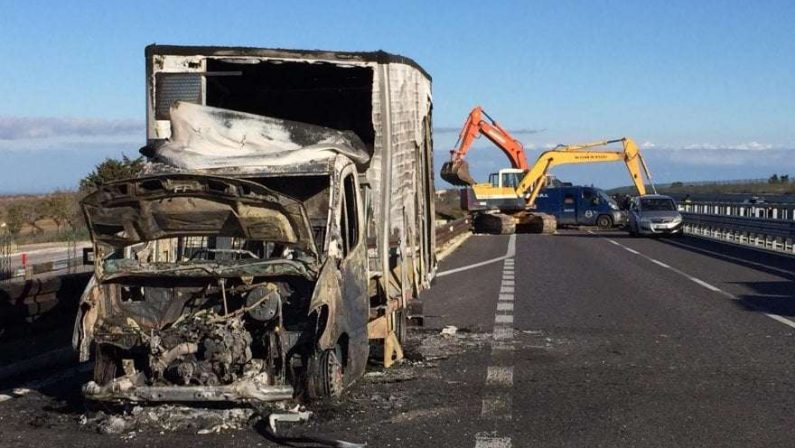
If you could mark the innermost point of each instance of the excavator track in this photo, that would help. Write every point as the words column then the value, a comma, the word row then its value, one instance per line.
column 524, row 222
column 493, row 223
column 532, row 222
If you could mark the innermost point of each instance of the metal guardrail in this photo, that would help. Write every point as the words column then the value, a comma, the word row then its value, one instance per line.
column 767, row 226
column 446, row 232
column 69, row 265
column 757, row 210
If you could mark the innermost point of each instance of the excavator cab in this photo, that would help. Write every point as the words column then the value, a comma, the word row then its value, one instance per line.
column 507, row 178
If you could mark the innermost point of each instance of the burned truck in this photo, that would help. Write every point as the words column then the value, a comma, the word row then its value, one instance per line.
column 282, row 226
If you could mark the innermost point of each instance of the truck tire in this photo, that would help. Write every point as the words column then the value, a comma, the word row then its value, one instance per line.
column 325, row 376
column 604, row 222
column 401, row 324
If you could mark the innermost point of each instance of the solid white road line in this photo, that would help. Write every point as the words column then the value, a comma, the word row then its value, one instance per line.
column 471, row 266
column 752, row 263
column 704, row 284
column 660, row 263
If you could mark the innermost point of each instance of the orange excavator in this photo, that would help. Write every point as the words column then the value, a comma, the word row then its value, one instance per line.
column 508, row 199
column 456, row 170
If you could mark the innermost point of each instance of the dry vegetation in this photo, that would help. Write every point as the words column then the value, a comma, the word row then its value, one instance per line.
column 42, row 218
column 448, row 204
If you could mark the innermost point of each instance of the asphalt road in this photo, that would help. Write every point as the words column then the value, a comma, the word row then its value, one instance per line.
column 577, row 339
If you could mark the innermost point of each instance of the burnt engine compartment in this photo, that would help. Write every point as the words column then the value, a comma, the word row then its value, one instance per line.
column 204, row 332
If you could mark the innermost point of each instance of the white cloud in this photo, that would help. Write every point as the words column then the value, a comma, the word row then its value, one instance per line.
column 749, row 146
column 647, row 145
column 75, row 143
column 31, row 128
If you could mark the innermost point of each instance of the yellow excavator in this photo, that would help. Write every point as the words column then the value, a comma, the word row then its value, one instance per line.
column 506, row 203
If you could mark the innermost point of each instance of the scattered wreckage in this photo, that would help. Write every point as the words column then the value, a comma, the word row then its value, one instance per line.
column 284, row 220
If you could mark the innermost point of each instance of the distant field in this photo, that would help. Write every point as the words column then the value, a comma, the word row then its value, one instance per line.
column 739, row 189
column 43, row 229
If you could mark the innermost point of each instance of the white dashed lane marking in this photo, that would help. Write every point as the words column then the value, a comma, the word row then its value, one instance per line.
column 700, row 282
column 499, row 376
column 503, row 319
column 503, row 306
column 491, row 440
column 497, row 401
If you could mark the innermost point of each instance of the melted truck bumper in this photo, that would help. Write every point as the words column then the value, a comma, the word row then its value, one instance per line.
column 247, row 390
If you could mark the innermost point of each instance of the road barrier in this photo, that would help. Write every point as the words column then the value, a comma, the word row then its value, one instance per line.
column 25, row 302
column 448, row 231
column 767, row 226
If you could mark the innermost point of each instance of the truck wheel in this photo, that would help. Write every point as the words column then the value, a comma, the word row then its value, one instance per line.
column 401, row 322
column 604, row 222
column 325, row 374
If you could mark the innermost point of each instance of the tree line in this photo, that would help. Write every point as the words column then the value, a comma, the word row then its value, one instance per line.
column 63, row 206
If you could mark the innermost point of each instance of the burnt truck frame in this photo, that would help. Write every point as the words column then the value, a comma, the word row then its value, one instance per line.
column 236, row 277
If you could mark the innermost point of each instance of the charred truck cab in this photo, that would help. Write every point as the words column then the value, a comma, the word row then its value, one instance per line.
column 284, row 221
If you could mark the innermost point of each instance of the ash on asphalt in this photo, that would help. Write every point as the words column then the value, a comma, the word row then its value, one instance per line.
column 418, row 399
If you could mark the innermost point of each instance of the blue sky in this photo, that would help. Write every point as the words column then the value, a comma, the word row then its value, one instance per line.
column 708, row 86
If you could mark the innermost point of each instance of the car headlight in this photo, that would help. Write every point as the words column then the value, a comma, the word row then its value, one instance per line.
column 678, row 219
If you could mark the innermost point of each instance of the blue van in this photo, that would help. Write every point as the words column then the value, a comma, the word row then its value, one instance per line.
column 578, row 205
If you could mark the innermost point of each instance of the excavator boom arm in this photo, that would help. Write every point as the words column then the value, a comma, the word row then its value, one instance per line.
column 533, row 180
column 476, row 125
column 456, row 170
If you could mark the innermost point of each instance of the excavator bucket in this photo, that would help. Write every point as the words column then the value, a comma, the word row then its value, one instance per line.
column 457, row 173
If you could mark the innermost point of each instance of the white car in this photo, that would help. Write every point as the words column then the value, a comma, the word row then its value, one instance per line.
column 654, row 214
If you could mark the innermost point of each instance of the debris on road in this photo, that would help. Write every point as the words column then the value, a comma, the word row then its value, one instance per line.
column 449, row 330
column 170, row 418
column 289, row 417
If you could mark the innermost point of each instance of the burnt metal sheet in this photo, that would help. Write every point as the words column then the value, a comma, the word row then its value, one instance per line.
column 124, row 389
column 145, row 209
column 378, row 57
column 204, row 137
